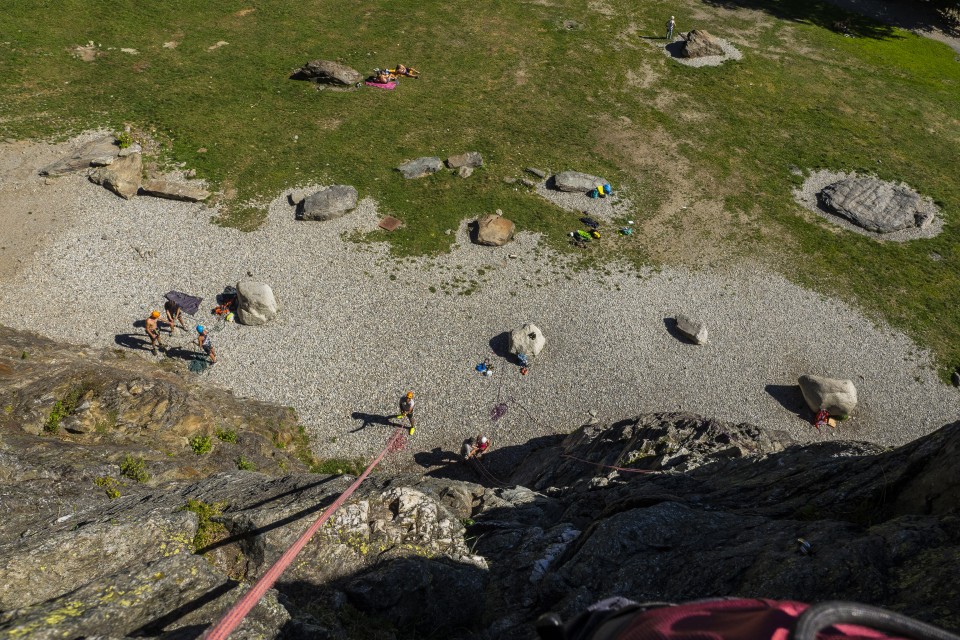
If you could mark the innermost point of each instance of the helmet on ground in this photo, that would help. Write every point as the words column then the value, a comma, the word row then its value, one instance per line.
column 201, row 328
column 410, row 394
column 483, row 439
column 154, row 314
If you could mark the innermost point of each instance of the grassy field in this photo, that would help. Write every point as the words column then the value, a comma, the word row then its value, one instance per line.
column 512, row 81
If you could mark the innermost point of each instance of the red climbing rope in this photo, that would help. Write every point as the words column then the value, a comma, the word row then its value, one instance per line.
column 607, row 466
column 239, row 611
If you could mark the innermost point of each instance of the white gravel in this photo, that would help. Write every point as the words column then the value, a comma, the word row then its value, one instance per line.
column 357, row 328
column 806, row 195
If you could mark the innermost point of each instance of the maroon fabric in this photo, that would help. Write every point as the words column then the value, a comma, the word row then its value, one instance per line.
column 732, row 620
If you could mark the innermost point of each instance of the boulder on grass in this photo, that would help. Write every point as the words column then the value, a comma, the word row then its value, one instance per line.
column 420, row 167
column 256, row 304
column 329, row 204
column 874, row 205
column 699, row 44
column 693, row 330
column 576, row 181
column 160, row 188
column 471, row 159
column 836, row 397
column 494, row 230
column 528, row 340
column 122, row 176
column 328, row 72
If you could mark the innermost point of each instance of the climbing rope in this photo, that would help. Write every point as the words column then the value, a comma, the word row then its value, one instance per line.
column 233, row 617
column 607, row 466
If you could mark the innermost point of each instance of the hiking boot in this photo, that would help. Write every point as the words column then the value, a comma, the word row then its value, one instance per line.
column 412, row 430
column 399, row 417
column 153, row 350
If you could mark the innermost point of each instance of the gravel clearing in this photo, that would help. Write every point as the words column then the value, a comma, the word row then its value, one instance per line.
column 613, row 207
column 672, row 51
column 357, row 328
column 806, row 195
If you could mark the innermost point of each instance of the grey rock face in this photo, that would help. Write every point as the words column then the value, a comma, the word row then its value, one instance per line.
column 540, row 173
column 420, row 167
column 160, row 188
column 528, row 340
column 494, row 230
column 875, row 205
column 471, row 159
column 256, row 303
column 576, row 181
column 99, row 152
column 698, row 44
column 837, row 397
column 328, row 72
column 695, row 330
column 329, row 204
column 122, row 176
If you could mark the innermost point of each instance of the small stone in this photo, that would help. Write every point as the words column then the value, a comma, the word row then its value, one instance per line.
column 202, row 150
column 328, row 204
column 527, row 182
column 420, row 167
column 956, row 378
column 537, row 172
column 495, row 230
column 694, row 330
column 471, row 159
column 510, row 180
column 465, row 172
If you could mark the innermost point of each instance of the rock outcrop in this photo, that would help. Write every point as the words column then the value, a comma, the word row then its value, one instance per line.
column 122, row 176
column 576, row 181
column 699, row 44
column 875, row 205
column 836, row 397
column 420, row 167
column 256, row 304
column 693, row 330
column 328, row 72
column 96, row 153
column 470, row 159
column 170, row 190
column 528, row 340
column 494, row 230
column 328, row 204
column 667, row 506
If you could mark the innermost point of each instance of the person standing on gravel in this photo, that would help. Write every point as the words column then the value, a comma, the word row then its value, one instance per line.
column 174, row 315
column 406, row 409
column 671, row 23
column 150, row 324
column 206, row 343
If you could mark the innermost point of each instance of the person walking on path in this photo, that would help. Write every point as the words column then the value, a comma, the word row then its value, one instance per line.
column 206, row 343
column 671, row 23
column 406, row 410
column 153, row 332
column 174, row 315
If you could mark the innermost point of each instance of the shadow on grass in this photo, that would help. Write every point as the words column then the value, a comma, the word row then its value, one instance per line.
column 829, row 16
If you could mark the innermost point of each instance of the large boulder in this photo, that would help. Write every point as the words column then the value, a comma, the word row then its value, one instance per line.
column 328, row 72
column 494, row 230
column 694, row 330
column 420, row 167
column 699, row 44
column 875, row 205
column 528, row 340
column 257, row 305
column 576, row 181
column 330, row 203
column 160, row 188
column 837, row 397
column 122, row 176
column 96, row 153
column 471, row 159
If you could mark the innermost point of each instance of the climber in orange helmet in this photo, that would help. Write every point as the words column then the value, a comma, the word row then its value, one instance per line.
column 406, row 409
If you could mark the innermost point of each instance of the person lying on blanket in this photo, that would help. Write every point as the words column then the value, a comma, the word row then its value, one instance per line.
column 401, row 70
column 382, row 76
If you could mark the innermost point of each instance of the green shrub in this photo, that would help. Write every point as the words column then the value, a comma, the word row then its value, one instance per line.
column 110, row 485
column 208, row 531
column 339, row 466
column 125, row 139
column 134, row 468
column 65, row 407
column 201, row 444
column 244, row 465
column 227, row 435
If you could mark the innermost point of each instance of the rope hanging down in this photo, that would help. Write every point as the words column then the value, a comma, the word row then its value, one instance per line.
column 239, row 611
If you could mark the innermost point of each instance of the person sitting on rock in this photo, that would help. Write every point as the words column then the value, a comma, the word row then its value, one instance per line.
column 206, row 343
column 153, row 332
column 481, row 444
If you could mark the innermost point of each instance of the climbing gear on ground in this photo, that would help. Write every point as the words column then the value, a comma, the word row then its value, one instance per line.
column 412, row 429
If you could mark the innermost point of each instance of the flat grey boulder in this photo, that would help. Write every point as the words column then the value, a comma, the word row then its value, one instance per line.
column 576, row 181
column 160, row 188
column 494, row 230
column 329, row 204
column 122, row 176
column 837, row 397
column 875, row 205
column 694, row 330
column 420, row 167
column 528, row 340
column 328, row 72
column 471, row 159
column 256, row 303
column 96, row 153
column 699, row 44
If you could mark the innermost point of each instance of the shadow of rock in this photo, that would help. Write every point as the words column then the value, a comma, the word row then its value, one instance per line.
column 790, row 398
column 500, row 345
column 671, row 326
column 675, row 49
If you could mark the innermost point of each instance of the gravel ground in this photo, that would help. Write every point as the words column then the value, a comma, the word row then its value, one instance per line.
column 806, row 195
column 357, row 328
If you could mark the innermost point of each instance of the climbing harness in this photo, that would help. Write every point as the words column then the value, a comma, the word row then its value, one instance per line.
column 236, row 614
